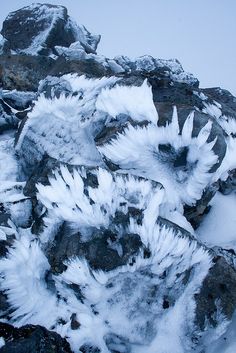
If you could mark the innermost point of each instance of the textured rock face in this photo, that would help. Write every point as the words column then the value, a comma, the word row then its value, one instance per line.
column 31, row 339
column 108, row 168
column 37, row 29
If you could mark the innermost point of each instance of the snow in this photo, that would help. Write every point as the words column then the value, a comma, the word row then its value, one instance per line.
column 24, row 270
column 218, row 228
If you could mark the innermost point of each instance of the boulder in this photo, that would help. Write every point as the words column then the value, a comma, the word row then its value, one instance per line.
column 38, row 28
column 32, row 338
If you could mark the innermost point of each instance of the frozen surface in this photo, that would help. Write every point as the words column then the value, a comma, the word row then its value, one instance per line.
column 219, row 225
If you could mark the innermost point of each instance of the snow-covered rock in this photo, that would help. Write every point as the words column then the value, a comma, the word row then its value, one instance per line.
column 38, row 28
column 113, row 231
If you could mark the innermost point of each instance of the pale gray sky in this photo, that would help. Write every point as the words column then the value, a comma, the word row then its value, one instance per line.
column 201, row 34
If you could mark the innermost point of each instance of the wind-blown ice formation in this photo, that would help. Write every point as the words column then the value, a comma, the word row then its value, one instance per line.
column 107, row 301
column 179, row 161
column 148, row 290
column 66, row 198
column 112, row 168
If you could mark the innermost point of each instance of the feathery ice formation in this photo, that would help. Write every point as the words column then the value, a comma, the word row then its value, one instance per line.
column 109, row 168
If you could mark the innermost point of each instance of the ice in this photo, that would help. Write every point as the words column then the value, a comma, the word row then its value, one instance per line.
column 137, row 102
column 66, row 199
column 139, row 150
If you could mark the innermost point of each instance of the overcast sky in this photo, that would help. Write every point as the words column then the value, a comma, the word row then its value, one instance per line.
column 201, row 34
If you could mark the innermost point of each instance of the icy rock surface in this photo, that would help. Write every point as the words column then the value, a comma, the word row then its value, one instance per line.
column 114, row 233
column 37, row 29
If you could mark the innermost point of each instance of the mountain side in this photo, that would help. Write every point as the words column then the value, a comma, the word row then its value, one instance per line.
column 113, row 172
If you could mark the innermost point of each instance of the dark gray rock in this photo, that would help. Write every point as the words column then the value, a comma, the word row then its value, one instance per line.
column 217, row 294
column 75, row 325
column 23, row 72
column 32, row 339
column 39, row 174
column 228, row 254
column 106, row 250
column 175, row 93
column 91, row 67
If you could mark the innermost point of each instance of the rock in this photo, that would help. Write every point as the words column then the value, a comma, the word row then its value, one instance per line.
column 38, row 28
column 89, row 66
column 158, row 70
column 224, row 98
column 31, row 338
column 228, row 254
column 217, row 296
column 105, row 251
column 23, row 72
column 75, row 325
column 7, row 234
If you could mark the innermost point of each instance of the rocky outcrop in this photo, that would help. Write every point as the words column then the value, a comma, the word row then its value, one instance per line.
column 108, row 166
